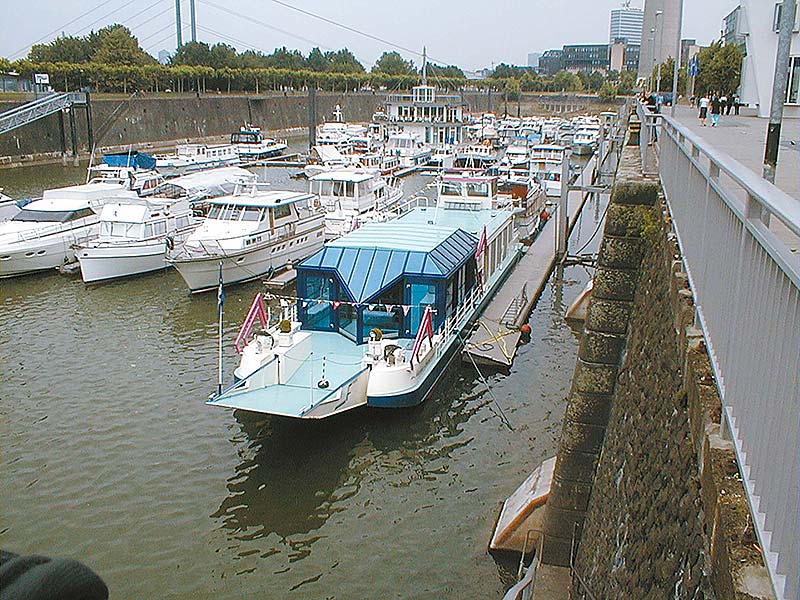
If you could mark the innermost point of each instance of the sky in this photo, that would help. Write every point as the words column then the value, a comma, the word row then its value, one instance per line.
column 467, row 33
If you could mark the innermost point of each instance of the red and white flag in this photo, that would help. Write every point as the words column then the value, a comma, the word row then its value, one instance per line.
column 425, row 331
column 479, row 252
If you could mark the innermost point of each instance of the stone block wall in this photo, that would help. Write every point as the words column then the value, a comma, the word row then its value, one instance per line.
column 667, row 515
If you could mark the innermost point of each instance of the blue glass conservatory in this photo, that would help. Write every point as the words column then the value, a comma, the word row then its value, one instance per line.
column 382, row 276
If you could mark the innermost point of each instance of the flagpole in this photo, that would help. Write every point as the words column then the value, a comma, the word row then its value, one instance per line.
column 220, row 300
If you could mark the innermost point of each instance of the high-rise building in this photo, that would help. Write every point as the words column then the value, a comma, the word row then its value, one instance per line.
column 626, row 24
column 533, row 59
column 659, row 34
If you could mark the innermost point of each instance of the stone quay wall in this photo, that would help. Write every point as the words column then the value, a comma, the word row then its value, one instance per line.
column 159, row 122
column 146, row 122
column 647, row 499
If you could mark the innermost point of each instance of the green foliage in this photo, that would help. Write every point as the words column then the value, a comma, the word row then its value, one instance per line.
column 391, row 63
column 504, row 71
column 720, row 69
column 448, row 71
column 667, row 75
column 626, row 84
column 565, row 81
column 62, row 49
column 116, row 45
column 607, row 93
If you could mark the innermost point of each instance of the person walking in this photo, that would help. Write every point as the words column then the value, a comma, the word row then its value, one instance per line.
column 723, row 102
column 716, row 107
column 736, row 104
column 703, row 104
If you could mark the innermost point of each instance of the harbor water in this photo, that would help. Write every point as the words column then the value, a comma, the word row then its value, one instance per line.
column 110, row 456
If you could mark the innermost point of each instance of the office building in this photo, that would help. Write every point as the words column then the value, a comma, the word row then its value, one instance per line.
column 533, row 59
column 551, row 62
column 585, row 57
column 626, row 24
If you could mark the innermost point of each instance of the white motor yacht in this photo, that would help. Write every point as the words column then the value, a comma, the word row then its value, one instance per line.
column 43, row 234
column 407, row 148
column 253, row 232
column 252, row 145
column 135, row 237
column 351, row 197
column 546, row 165
column 196, row 157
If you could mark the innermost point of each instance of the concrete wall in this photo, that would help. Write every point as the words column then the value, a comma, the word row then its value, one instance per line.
column 145, row 122
column 647, row 498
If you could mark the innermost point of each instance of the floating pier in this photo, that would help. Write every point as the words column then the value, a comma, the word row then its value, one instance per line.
column 497, row 332
column 285, row 160
column 281, row 280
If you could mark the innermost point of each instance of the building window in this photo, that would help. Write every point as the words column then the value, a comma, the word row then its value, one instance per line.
column 793, row 89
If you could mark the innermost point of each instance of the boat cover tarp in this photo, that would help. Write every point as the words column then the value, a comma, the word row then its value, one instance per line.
column 134, row 158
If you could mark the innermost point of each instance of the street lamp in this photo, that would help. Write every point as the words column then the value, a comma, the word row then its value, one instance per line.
column 652, row 40
column 659, row 13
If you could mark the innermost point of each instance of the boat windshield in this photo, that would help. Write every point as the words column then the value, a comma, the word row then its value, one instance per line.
column 122, row 230
column 51, row 216
column 245, row 137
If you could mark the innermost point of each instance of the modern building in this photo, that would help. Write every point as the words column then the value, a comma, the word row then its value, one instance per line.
column 533, row 59
column 623, row 56
column 626, row 24
column 688, row 49
column 757, row 24
column 659, row 33
column 551, row 62
column 585, row 57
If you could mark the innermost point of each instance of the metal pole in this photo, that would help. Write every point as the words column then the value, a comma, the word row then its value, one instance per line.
column 677, row 66
column 563, row 217
column 312, row 117
column 89, row 126
column 63, row 136
column 194, row 21
column 660, row 51
column 779, row 89
column 72, row 133
column 178, row 23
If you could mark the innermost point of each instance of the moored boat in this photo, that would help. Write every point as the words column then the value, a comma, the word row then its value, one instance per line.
column 135, row 237
column 252, row 145
column 379, row 313
column 351, row 197
column 253, row 232
column 196, row 157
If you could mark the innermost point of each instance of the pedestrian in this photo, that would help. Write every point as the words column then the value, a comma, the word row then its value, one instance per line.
column 736, row 104
column 703, row 103
column 716, row 107
column 723, row 102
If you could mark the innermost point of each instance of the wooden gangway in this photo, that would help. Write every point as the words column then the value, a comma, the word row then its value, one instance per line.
column 494, row 339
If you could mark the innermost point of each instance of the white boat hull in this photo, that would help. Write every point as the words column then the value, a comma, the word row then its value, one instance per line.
column 102, row 262
column 202, row 273
column 43, row 253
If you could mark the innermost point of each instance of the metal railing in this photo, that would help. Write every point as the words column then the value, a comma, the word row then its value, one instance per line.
column 31, row 111
column 746, row 284
column 648, row 137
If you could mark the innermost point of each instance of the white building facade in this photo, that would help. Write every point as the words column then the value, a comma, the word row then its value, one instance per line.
column 757, row 24
column 626, row 24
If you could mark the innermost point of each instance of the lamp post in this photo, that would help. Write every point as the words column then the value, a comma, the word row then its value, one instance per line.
column 652, row 40
column 659, row 13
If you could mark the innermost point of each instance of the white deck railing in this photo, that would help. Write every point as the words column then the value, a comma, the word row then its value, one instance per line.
column 746, row 284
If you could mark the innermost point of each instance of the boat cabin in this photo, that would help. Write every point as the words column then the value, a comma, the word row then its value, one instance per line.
column 247, row 135
column 358, row 189
column 382, row 276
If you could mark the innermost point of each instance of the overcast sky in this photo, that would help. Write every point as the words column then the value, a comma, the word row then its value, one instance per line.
column 468, row 33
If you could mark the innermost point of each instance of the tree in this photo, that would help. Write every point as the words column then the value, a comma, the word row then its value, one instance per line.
column 343, row 61
column 448, row 71
column 316, row 61
column 62, row 49
column 720, row 69
column 567, row 82
column 667, row 71
column 607, row 93
column 391, row 63
column 116, row 45
column 626, row 83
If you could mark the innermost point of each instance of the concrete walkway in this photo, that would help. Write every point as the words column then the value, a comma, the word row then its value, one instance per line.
column 743, row 138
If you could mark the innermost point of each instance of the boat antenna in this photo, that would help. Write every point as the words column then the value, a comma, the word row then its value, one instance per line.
column 424, row 66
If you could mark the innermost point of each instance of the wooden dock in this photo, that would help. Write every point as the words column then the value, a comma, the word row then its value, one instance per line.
column 284, row 160
column 281, row 280
column 494, row 339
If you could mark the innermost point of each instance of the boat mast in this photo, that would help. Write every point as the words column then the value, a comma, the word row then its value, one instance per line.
column 424, row 66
